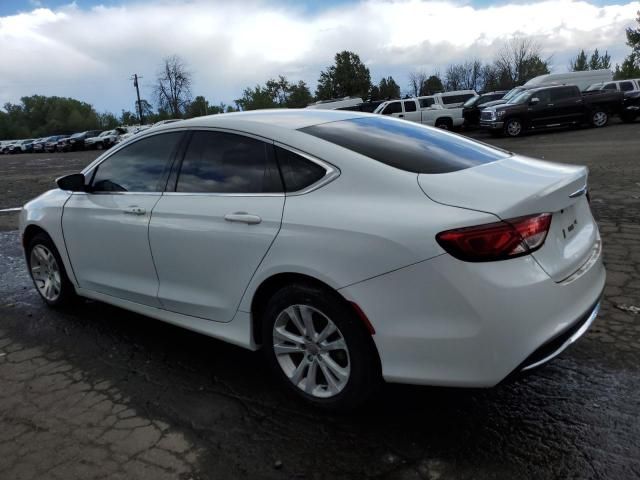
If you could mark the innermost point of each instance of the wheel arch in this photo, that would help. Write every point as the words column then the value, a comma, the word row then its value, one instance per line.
column 272, row 284
column 31, row 231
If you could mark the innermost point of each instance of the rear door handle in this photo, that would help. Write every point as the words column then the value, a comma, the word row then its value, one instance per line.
column 243, row 217
column 135, row 210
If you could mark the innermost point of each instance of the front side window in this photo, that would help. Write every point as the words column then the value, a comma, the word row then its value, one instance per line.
column 393, row 107
column 406, row 145
column 626, row 86
column 427, row 102
column 138, row 167
column 563, row 93
column 219, row 162
column 610, row 86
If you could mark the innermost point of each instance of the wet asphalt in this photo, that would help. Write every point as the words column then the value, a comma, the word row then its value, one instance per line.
column 98, row 392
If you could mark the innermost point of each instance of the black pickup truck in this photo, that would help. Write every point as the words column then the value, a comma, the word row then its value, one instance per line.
column 551, row 106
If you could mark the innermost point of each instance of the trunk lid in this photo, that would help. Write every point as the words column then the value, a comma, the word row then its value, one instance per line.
column 519, row 186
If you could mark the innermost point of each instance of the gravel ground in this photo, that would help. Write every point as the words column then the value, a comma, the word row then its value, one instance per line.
column 98, row 392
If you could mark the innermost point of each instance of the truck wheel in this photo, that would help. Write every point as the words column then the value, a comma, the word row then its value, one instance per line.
column 599, row 118
column 99, row 146
column 513, row 127
column 444, row 123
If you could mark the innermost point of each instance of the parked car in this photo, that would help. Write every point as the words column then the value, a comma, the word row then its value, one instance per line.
column 631, row 108
column 4, row 146
column 104, row 140
column 77, row 140
column 472, row 107
column 452, row 99
column 618, row 85
column 52, row 143
column 38, row 145
column 19, row 146
column 423, row 110
column 402, row 252
column 547, row 107
column 368, row 107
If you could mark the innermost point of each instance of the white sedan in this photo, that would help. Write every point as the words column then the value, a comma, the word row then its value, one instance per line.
column 350, row 247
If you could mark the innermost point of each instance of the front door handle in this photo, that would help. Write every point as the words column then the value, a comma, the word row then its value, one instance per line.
column 243, row 217
column 135, row 210
column 401, row 116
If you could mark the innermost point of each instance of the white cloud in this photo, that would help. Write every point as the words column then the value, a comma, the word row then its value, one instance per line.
column 90, row 54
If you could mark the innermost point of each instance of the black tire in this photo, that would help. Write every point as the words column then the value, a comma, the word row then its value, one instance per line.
column 67, row 294
column 364, row 377
column 513, row 127
column 99, row 146
column 444, row 123
column 599, row 118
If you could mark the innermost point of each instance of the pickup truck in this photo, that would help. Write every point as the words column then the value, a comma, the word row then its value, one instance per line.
column 425, row 110
column 551, row 106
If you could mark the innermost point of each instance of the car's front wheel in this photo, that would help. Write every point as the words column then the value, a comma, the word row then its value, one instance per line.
column 48, row 273
column 318, row 347
column 599, row 118
column 513, row 127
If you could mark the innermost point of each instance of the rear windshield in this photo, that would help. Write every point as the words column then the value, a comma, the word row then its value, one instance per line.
column 406, row 145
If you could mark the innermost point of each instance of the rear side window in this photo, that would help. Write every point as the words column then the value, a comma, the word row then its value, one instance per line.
column 426, row 102
column 563, row 93
column 461, row 98
column 138, row 167
column 218, row 162
column 410, row 106
column 298, row 173
column 610, row 86
column 406, row 145
column 393, row 107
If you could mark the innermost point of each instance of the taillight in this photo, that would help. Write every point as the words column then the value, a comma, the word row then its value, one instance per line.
column 497, row 241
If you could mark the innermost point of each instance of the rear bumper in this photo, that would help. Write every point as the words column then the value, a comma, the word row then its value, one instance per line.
column 452, row 323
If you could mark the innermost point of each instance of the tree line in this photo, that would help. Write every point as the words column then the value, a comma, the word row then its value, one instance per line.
column 517, row 61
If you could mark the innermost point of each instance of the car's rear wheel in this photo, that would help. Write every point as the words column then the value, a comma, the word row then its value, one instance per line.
column 444, row 124
column 48, row 273
column 599, row 118
column 318, row 348
column 513, row 127
column 99, row 146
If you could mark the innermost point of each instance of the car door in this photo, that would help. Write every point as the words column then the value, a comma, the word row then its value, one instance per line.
column 541, row 113
column 394, row 109
column 411, row 112
column 209, row 235
column 106, row 231
column 567, row 105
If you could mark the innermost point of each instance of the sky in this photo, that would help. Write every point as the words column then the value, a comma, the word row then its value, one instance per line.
column 88, row 49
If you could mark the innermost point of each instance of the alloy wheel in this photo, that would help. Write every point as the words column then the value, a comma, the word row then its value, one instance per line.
column 45, row 272
column 599, row 119
column 514, row 128
column 311, row 351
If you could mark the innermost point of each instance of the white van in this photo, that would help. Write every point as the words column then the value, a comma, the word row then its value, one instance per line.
column 336, row 103
column 581, row 79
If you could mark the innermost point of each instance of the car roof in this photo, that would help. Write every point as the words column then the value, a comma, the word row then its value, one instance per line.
column 289, row 119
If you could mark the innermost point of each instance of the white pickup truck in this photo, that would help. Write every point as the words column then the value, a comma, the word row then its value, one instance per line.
column 429, row 110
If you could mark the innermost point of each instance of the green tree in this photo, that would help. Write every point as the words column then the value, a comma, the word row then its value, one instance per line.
column 255, row 98
column 630, row 67
column 198, row 107
column 432, row 85
column 299, row 95
column 347, row 77
column 579, row 63
column 596, row 62
column 388, row 88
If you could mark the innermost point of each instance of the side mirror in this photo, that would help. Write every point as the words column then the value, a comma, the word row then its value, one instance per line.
column 534, row 101
column 72, row 183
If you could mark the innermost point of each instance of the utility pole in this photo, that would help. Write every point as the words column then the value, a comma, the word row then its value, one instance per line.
column 135, row 84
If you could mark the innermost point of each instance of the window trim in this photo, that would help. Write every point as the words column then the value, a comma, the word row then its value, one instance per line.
column 90, row 170
column 331, row 171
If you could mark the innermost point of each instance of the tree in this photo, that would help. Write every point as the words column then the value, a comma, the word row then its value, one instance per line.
column 596, row 62
column 347, row 77
column 173, row 86
column 416, row 82
column 198, row 107
column 255, row 98
column 579, row 63
column 299, row 95
column 128, row 118
column 432, row 85
column 388, row 88
column 464, row 76
column 631, row 65
column 519, row 61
